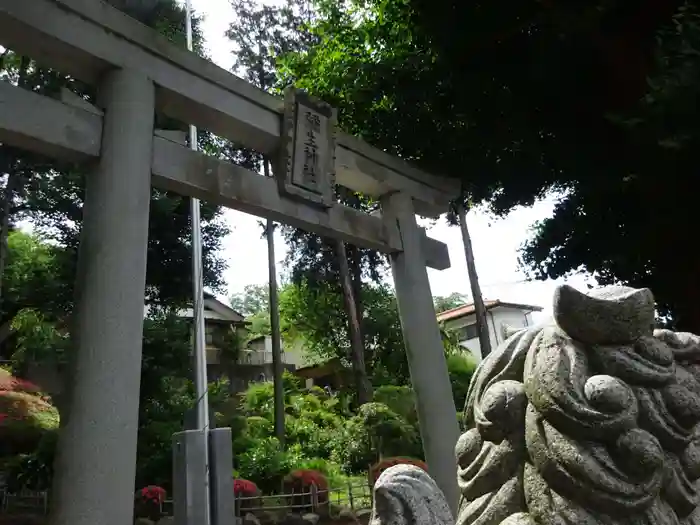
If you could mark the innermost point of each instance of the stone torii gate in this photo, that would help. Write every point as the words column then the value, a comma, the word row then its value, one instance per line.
column 138, row 72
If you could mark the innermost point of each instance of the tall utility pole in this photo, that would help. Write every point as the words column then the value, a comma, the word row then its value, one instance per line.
column 277, row 366
column 200, row 356
column 479, row 309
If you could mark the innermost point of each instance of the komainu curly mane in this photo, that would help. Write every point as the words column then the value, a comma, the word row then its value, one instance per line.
column 590, row 419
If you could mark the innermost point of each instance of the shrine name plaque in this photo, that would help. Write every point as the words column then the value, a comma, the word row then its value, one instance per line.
column 306, row 165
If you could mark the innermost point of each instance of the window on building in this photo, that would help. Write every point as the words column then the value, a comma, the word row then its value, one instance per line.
column 468, row 332
column 209, row 334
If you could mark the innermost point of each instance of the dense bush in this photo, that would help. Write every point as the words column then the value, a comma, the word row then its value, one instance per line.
column 148, row 502
column 384, row 464
column 461, row 367
column 247, row 495
column 266, row 463
column 376, row 431
column 33, row 471
column 400, row 399
column 321, row 434
column 25, row 415
column 301, row 483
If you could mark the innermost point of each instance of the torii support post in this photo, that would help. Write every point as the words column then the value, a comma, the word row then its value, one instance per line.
column 424, row 348
column 97, row 446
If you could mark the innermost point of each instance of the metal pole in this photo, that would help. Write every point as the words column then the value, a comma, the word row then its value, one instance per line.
column 479, row 308
column 200, row 356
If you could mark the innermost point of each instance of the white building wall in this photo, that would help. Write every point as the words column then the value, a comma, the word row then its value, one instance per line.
column 295, row 354
column 495, row 318
column 291, row 354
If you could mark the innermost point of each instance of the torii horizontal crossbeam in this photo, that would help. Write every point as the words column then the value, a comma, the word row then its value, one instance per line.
column 86, row 38
column 64, row 131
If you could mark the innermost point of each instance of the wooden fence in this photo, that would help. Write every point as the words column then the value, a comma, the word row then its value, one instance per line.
column 353, row 497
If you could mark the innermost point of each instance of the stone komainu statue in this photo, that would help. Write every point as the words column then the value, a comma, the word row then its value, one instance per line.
column 590, row 419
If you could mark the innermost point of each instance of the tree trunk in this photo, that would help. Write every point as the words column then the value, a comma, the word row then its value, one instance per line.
column 277, row 365
column 362, row 384
column 356, row 275
column 13, row 185
column 479, row 309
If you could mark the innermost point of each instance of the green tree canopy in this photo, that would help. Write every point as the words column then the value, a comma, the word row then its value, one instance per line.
column 50, row 194
column 521, row 99
column 254, row 303
column 254, row 299
column 314, row 314
column 448, row 302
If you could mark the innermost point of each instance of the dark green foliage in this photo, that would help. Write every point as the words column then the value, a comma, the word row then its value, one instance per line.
column 594, row 100
column 399, row 399
column 449, row 302
column 315, row 314
column 50, row 194
column 461, row 368
column 33, row 471
column 267, row 464
column 375, row 432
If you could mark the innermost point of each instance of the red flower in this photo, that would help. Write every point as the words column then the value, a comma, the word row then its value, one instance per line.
column 306, row 478
column 381, row 466
column 11, row 383
column 244, row 487
column 153, row 494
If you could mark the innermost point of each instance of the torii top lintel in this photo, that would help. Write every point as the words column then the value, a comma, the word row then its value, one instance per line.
column 85, row 38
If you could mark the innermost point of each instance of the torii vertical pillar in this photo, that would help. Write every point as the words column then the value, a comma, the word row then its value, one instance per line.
column 426, row 356
column 96, row 461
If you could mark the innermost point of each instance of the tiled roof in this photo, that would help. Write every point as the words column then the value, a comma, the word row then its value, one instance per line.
column 468, row 309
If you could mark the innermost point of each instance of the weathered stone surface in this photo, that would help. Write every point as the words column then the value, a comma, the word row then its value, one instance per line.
column 250, row 519
column 363, row 516
column 293, row 519
column 311, row 518
column 407, row 495
column 590, row 418
column 608, row 315
column 346, row 514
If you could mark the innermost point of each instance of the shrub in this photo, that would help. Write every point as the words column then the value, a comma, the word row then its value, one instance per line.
column 376, row 470
column 243, row 488
column 149, row 501
column 11, row 383
column 33, row 471
column 300, row 483
column 332, row 471
column 352, row 447
column 375, row 432
column 315, row 440
column 258, row 399
column 25, row 416
column 153, row 494
column 258, row 427
column 266, row 463
column 461, row 368
column 399, row 399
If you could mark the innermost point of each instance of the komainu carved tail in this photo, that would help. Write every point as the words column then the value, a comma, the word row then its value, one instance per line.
column 591, row 418
column 407, row 495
